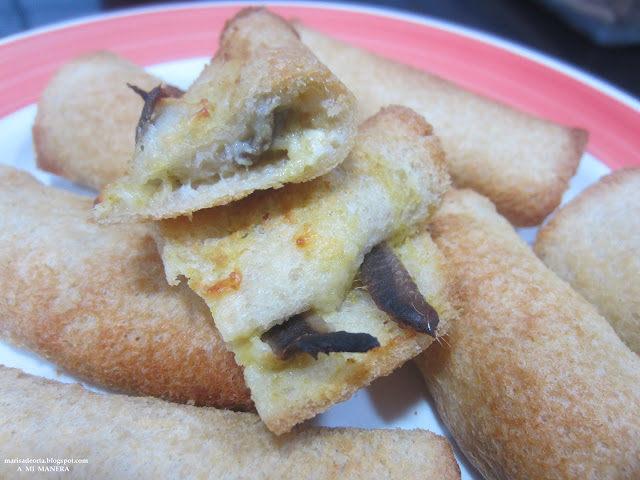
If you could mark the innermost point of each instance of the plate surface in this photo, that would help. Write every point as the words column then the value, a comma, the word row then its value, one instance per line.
column 174, row 42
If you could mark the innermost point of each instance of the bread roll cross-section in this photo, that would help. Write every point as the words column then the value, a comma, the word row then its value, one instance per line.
column 297, row 251
column 264, row 112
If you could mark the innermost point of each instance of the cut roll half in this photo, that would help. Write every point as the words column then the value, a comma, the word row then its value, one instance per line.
column 263, row 113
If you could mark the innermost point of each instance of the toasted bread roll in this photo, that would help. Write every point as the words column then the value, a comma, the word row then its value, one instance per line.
column 520, row 162
column 85, row 126
column 94, row 301
column 280, row 253
column 594, row 244
column 147, row 438
column 263, row 113
column 532, row 382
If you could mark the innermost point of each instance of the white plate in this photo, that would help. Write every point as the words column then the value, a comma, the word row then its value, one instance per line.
column 175, row 41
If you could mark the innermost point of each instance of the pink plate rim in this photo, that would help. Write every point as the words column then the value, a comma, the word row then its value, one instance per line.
column 487, row 66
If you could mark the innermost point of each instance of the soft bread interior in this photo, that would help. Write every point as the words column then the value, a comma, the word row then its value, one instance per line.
column 279, row 253
column 280, row 134
column 287, row 392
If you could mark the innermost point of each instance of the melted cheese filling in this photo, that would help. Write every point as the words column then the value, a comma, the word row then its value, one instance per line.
column 271, row 139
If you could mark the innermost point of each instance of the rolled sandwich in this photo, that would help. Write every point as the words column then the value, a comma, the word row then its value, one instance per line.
column 279, row 271
column 94, row 301
column 87, row 116
column 146, row 438
column 593, row 243
column 532, row 382
column 263, row 113
column 521, row 162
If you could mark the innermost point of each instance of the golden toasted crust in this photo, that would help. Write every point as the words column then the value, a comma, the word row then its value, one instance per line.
column 522, row 163
column 147, row 438
column 532, row 382
column 282, row 252
column 593, row 243
column 85, row 126
column 94, row 301
column 263, row 113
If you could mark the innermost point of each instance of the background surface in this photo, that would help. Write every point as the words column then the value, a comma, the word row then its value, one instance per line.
column 607, row 46
column 610, row 51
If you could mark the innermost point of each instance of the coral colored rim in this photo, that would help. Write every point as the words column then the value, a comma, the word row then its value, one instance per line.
column 500, row 70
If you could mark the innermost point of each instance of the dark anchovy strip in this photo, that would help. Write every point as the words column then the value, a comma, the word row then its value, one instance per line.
column 394, row 291
column 299, row 334
column 315, row 343
column 150, row 100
